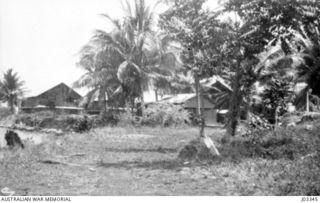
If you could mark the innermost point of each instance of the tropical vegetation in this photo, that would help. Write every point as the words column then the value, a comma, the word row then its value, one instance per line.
column 11, row 89
column 247, row 43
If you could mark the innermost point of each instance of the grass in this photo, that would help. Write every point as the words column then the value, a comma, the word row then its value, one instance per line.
column 143, row 161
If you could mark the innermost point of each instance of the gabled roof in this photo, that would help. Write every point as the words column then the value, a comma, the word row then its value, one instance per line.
column 61, row 85
column 188, row 100
column 178, row 99
column 215, row 82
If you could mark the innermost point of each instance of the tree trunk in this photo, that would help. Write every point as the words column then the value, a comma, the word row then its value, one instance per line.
column 196, row 79
column 11, row 104
column 142, row 102
column 234, row 106
column 248, row 107
column 308, row 102
column 102, row 100
column 203, row 137
column 199, row 119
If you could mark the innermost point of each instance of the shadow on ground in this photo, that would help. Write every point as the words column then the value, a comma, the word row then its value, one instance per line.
column 165, row 164
column 137, row 150
column 174, row 164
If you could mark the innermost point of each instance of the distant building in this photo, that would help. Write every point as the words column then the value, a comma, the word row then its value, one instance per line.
column 189, row 102
column 59, row 98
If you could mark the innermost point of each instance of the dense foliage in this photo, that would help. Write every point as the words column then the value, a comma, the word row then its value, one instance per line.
column 244, row 42
column 163, row 114
column 275, row 99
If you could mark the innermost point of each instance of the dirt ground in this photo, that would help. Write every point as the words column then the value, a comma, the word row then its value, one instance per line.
column 126, row 161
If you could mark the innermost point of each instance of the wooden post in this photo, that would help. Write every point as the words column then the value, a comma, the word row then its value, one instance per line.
column 308, row 102
column 156, row 94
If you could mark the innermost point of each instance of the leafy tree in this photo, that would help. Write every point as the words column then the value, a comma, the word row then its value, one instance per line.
column 275, row 98
column 200, row 36
column 11, row 89
column 265, row 24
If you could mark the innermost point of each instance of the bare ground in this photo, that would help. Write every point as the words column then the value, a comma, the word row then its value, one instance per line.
column 129, row 161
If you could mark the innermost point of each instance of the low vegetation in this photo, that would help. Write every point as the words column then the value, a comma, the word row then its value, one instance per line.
column 162, row 114
column 146, row 161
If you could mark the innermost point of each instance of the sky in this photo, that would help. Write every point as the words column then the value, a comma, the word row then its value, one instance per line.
column 40, row 39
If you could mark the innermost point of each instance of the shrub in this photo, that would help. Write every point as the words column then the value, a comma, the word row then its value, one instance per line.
column 4, row 112
column 107, row 118
column 165, row 115
column 82, row 125
column 196, row 151
column 34, row 119
column 275, row 144
column 48, row 119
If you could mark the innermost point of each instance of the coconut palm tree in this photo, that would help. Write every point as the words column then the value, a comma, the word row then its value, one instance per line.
column 133, row 39
column 11, row 89
column 100, row 76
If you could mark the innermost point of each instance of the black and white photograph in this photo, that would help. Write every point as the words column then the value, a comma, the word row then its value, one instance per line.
column 159, row 98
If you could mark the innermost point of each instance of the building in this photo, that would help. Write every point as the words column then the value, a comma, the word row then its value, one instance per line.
column 60, row 98
column 189, row 102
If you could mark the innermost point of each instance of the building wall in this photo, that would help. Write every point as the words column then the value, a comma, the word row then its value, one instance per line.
column 210, row 116
column 60, row 95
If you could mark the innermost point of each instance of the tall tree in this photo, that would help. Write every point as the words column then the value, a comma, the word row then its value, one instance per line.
column 100, row 76
column 264, row 24
column 133, row 39
column 11, row 89
column 199, row 34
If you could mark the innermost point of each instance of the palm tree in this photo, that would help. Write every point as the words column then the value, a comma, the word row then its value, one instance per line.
column 163, row 58
column 100, row 76
column 11, row 89
column 300, row 66
column 133, row 39
column 309, row 72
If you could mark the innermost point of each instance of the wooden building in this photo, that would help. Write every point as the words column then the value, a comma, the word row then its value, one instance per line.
column 60, row 98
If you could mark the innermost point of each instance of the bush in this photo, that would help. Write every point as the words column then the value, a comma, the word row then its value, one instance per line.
column 4, row 112
column 196, row 151
column 48, row 119
column 165, row 115
column 108, row 118
column 276, row 144
column 82, row 125
column 34, row 119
